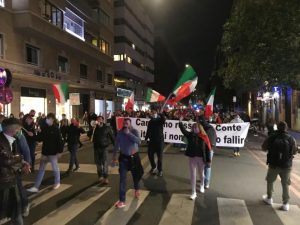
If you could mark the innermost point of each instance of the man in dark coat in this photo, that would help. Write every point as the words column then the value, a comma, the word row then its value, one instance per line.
column 11, row 166
column 211, row 133
column 281, row 149
column 102, row 137
column 156, row 141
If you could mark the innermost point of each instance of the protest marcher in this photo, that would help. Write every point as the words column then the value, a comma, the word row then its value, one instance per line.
column 156, row 141
column 11, row 166
column 73, row 135
column 198, row 151
column 236, row 119
column 281, row 149
column 52, row 146
column 63, row 126
column 102, row 137
column 127, row 142
column 29, row 132
column 211, row 133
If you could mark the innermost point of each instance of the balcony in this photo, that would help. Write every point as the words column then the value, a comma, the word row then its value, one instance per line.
column 132, row 72
column 35, row 25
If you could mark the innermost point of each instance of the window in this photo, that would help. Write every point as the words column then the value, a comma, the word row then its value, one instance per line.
column 129, row 60
column 62, row 64
column 32, row 55
column 104, row 47
column 109, row 79
column 83, row 71
column 73, row 24
column 95, row 42
column 1, row 46
column 100, row 76
column 52, row 14
column 104, row 17
column 2, row 3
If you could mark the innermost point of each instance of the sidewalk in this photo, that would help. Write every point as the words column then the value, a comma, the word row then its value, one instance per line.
column 295, row 134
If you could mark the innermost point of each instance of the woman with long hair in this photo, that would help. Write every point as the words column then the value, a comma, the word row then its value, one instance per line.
column 198, row 149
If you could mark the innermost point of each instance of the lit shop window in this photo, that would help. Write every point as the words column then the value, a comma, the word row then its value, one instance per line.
column 73, row 24
column 2, row 3
column 129, row 60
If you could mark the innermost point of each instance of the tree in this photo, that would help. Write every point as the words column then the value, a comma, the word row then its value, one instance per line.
column 261, row 42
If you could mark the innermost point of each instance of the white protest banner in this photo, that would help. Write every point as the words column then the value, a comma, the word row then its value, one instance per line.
column 172, row 132
column 228, row 134
column 231, row 134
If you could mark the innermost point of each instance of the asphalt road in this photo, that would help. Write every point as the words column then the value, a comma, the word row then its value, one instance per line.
column 233, row 198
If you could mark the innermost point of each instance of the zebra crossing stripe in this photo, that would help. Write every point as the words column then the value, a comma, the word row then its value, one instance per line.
column 121, row 216
column 292, row 217
column 233, row 212
column 48, row 193
column 71, row 209
column 179, row 211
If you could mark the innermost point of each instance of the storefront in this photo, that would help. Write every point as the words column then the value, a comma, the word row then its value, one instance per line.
column 65, row 108
column 5, row 109
column 33, row 98
column 99, row 107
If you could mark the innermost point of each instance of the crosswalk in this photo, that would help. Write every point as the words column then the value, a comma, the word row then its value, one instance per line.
column 179, row 209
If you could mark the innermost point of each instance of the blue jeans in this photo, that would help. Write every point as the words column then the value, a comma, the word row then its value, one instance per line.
column 73, row 156
column 22, row 191
column 124, row 166
column 236, row 149
column 207, row 170
column 32, row 147
column 44, row 160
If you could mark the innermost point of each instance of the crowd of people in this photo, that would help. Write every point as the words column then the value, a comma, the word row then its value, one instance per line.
column 19, row 138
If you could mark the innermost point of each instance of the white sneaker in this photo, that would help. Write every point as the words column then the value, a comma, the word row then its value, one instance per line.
column 202, row 190
column 206, row 186
column 33, row 189
column 193, row 196
column 285, row 207
column 56, row 186
column 268, row 201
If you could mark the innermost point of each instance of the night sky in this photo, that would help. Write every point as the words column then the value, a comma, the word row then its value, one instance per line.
column 193, row 29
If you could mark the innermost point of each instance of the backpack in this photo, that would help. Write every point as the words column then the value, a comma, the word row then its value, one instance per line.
column 280, row 151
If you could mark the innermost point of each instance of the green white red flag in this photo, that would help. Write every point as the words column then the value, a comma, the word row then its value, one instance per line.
column 209, row 108
column 154, row 96
column 61, row 92
column 186, row 85
column 129, row 105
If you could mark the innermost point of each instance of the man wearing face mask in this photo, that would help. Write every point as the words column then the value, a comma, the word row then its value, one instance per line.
column 102, row 138
column 156, row 141
column 52, row 146
column 11, row 166
column 72, row 137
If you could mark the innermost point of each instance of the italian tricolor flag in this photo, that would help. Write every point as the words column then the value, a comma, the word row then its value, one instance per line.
column 61, row 92
column 209, row 108
column 130, row 104
column 154, row 96
column 186, row 85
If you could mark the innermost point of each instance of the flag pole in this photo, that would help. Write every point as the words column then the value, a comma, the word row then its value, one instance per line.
column 162, row 108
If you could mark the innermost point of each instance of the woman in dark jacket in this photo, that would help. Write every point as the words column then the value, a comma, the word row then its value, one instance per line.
column 198, row 148
column 52, row 146
column 73, row 135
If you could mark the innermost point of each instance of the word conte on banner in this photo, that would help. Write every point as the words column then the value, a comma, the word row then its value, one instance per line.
column 228, row 134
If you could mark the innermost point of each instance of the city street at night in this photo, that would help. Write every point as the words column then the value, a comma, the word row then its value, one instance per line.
column 234, row 196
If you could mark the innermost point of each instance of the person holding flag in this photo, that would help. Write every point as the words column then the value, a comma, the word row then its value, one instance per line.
column 198, row 151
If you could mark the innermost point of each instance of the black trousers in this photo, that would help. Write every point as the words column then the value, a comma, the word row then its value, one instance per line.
column 155, row 148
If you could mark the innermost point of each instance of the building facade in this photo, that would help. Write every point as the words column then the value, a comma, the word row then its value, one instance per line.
column 133, row 50
column 46, row 42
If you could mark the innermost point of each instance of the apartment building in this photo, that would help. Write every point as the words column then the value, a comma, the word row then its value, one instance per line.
column 45, row 42
column 133, row 51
